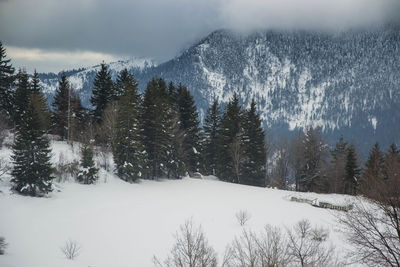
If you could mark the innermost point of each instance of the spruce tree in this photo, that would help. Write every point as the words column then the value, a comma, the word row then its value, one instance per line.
column 35, row 86
column 88, row 173
column 352, row 172
column 374, row 169
column 211, row 128
column 159, row 120
column 392, row 162
column 189, row 123
column 314, row 156
column 21, row 97
column 6, row 82
column 338, row 167
column 253, row 171
column 32, row 172
column 102, row 94
column 61, row 108
column 230, row 142
column 129, row 153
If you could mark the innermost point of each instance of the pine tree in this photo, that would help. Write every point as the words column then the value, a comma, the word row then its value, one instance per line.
column 391, row 163
column 6, row 82
column 189, row 123
column 102, row 94
column 22, row 94
column 159, row 130
column 337, row 173
column 314, row 155
column 61, row 108
column 230, row 142
column 374, row 168
column 253, row 171
column 32, row 172
column 352, row 172
column 87, row 170
column 211, row 128
column 35, row 87
column 129, row 153
column 78, row 117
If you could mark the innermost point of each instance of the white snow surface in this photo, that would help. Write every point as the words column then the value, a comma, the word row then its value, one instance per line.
column 122, row 224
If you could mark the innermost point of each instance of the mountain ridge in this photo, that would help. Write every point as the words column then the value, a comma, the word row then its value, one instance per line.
column 346, row 83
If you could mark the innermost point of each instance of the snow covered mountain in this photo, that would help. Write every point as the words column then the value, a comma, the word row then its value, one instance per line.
column 348, row 83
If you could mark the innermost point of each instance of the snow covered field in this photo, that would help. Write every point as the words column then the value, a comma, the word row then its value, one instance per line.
column 122, row 224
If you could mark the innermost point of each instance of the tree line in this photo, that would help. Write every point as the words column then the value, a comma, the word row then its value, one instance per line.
column 158, row 134
column 152, row 135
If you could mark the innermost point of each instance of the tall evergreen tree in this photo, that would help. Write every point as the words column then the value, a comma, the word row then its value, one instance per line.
column 253, row 172
column 230, row 142
column 102, row 94
column 189, row 123
column 61, row 108
column 337, row 172
column 88, row 173
column 129, row 152
column 6, row 82
column 392, row 162
column 211, row 128
column 352, row 172
column 314, row 155
column 374, row 168
column 156, row 118
column 21, row 97
column 35, row 86
column 32, row 172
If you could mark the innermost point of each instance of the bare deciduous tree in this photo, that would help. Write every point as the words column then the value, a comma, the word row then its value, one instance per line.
column 307, row 246
column 236, row 153
column 242, row 217
column 71, row 249
column 269, row 248
column 373, row 227
column 191, row 249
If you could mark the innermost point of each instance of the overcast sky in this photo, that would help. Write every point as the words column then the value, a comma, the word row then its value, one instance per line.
column 52, row 35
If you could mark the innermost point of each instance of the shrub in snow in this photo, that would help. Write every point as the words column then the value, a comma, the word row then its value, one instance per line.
column 3, row 245
column 269, row 248
column 87, row 170
column 191, row 249
column 71, row 249
column 242, row 217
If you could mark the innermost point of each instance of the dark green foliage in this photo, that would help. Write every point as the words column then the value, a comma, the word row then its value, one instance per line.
column 35, row 87
column 68, row 116
column 340, row 149
column 6, row 82
column 253, row 170
column 230, row 142
column 375, row 163
column 32, row 172
column 161, row 136
column 129, row 153
column 21, row 97
column 311, row 178
column 211, row 128
column 102, row 93
column 189, row 123
column 352, row 172
column 87, row 170
column 60, row 108
column 391, row 162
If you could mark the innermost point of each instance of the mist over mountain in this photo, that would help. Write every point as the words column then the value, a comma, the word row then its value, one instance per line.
column 347, row 83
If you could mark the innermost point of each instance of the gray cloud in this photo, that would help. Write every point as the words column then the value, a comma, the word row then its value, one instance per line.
column 161, row 28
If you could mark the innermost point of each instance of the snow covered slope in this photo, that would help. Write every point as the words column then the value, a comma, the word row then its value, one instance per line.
column 121, row 224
